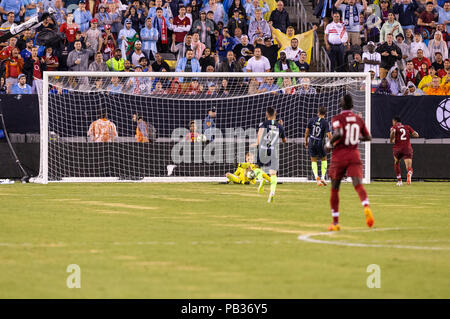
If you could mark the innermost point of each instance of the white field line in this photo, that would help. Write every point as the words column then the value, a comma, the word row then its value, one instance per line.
column 308, row 238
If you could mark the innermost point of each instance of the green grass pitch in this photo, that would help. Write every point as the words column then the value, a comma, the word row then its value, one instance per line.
column 194, row 240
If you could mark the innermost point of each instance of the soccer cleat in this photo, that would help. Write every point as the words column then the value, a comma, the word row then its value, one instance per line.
column 334, row 227
column 369, row 216
column 408, row 179
column 261, row 186
column 271, row 196
column 323, row 182
column 319, row 182
column 399, row 183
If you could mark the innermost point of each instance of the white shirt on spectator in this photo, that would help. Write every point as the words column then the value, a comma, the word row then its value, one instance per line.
column 375, row 56
column 261, row 65
column 336, row 33
column 292, row 54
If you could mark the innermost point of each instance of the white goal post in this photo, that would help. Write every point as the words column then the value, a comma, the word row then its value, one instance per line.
column 176, row 142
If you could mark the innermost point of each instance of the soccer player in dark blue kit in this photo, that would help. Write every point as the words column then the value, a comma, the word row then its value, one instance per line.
column 269, row 133
column 315, row 133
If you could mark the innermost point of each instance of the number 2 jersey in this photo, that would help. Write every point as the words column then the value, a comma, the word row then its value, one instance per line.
column 353, row 127
column 402, row 137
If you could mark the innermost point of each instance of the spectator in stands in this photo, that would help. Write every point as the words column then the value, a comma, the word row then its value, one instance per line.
column 137, row 18
column 205, row 28
column 162, row 25
column 8, row 23
column 411, row 90
column 350, row 16
column 103, row 17
column 126, row 32
column 426, row 80
column 152, row 12
column 410, row 73
column 404, row 48
column 149, row 36
column 444, row 15
column 293, row 52
column 69, row 28
column 302, row 61
column 93, row 35
column 372, row 26
column 287, row 87
column 82, row 16
column 258, row 27
column 138, row 53
column 182, row 48
column 181, row 25
column 356, row 65
column 197, row 46
column 396, row 82
column 237, row 4
column 335, row 37
column 160, row 65
column 409, row 36
column 284, row 65
column 23, row 38
column 115, row 86
column 427, row 18
column 98, row 64
column 435, row 88
column 437, row 45
column 21, row 87
column 305, row 87
column 108, row 43
column 419, row 59
column 372, row 59
column 390, row 26
column 422, row 72
column 15, row 6
column 26, row 53
column 50, row 60
column 6, row 52
column 33, row 68
column 253, row 7
column 225, row 43
column 78, row 59
column 406, row 13
column 244, row 49
column 207, row 59
column 188, row 63
column 390, row 54
column 60, row 12
column 13, row 68
column 116, row 63
column 258, row 63
column 218, row 10
column 383, row 88
column 31, row 8
column 438, row 62
column 3, row 88
column 279, row 18
column 236, row 21
column 230, row 65
column 270, row 51
column 443, row 72
column 384, row 10
column 268, row 86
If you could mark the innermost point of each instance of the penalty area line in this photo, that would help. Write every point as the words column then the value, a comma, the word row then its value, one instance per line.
column 308, row 238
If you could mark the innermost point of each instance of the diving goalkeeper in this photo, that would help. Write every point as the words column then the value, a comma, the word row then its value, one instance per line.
column 245, row 173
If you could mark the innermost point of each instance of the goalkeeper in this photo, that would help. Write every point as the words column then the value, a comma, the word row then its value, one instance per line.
column 245, row 172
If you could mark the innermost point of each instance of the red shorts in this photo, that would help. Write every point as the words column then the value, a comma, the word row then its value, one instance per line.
column 350, row 166
column 405, row 153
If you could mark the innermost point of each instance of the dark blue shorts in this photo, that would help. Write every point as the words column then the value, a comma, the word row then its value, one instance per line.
column 316, row 149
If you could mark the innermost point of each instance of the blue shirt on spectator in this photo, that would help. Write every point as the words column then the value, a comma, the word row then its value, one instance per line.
column 149, row 37
column 443, row 16
column 25, row 54
column 12, row 5
column 16, row 89
column 82, row 18
column 268, row 88
column 30, row 12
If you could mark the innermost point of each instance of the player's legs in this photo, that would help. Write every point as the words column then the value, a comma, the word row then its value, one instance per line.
column 260, row 177
column 397, row 170
column 324, row 165
column 315, row 170
column 408, row 164
column 273, row 184
column 359, row 188
column 334, row 204
column 233, row 178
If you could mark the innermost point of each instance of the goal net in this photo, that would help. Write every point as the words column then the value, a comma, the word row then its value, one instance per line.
column 176, row 127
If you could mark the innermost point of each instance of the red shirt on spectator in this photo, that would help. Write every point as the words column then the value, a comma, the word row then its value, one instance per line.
column 418, row 63
column 37, row 69
column 69, row 31
column 427, row 17
column 181, row 28
column 6, row 52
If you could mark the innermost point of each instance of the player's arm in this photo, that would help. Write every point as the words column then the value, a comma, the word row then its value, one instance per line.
column 365, row 136
column 260, row 134
column 413, row 133
column 392, row 135
column 306, row 136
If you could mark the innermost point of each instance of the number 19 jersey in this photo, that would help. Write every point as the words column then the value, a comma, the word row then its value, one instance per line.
column 353, row 127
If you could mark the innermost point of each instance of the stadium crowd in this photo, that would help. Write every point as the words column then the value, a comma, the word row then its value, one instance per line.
column 144, row 36
column 402, row 43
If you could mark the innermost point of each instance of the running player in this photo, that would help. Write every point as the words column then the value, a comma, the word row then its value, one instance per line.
column 269, row 133
column 348, row 129
column 315, row 134
column 400, row 135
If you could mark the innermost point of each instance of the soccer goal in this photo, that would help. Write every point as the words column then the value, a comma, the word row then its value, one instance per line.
column 182, row 127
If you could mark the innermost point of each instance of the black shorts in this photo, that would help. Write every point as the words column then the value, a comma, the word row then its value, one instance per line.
column 316, row 149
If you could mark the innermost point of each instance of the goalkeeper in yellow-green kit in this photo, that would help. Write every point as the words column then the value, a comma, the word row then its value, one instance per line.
column 244, row 173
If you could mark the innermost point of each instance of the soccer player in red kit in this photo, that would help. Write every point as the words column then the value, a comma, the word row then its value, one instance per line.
column 348, row 129
column 400, row 135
